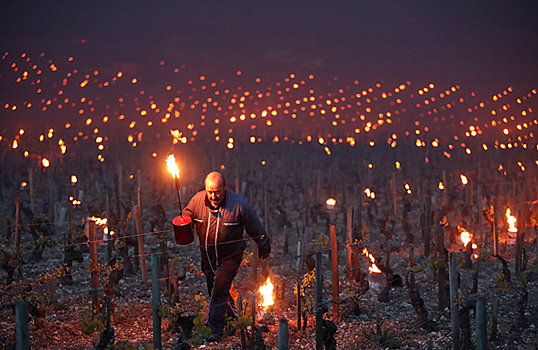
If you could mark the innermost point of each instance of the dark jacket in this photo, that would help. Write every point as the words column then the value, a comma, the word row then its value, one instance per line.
column 234, row 215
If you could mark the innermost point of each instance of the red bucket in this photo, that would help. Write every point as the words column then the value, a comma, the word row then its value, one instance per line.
column 183, row 230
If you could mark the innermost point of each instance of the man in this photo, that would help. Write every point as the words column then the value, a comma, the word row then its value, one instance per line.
column 220, row 216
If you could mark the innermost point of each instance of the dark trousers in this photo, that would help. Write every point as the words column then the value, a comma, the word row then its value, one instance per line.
column 219, row 283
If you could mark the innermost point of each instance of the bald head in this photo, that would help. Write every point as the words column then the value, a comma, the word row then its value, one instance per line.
column 215, row 187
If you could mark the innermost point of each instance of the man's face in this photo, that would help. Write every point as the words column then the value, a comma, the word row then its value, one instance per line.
column 214, row 191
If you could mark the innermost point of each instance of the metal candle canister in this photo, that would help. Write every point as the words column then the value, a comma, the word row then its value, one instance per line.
column 183, row 230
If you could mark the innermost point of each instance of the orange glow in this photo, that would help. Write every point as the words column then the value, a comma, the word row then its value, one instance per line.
column 465, row 236
column 373, row 268
column 172, row 166
column 178, row 136
column 511, row 221
column 266, row 290
column 99, row 221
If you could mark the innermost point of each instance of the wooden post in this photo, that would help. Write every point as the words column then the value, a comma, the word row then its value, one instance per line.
column 480, row 216
column 481, row 323
column 412, row 264
column 427, row 226
column 91, row 234
column 350, row 241
column 282, row 343
column 141, row 248
column 156, row 301
column 22, row 334
column 454, row 308
column 242, row 326
column 17, row 221
column 299, row 261
column 139, row 180
column 334, row 260
column 254, row 310
column 319, row 301
column 495, row 228
column 299, row 306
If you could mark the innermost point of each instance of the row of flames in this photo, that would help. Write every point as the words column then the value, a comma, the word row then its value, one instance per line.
column 102, row 222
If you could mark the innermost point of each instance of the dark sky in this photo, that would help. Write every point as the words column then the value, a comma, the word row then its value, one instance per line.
column 481, row 41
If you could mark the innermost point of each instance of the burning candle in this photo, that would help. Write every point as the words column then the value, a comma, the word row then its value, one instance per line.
column 511, row 221
column 266, row 290
column 373, row 268
column 375, row 278
column 331, row 202
column 465, row 236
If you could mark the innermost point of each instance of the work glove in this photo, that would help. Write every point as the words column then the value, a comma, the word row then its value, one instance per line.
column 263, row 254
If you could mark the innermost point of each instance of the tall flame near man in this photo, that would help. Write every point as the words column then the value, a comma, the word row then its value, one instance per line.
column 220, row 216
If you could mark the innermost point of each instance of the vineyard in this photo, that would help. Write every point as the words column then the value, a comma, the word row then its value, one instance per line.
column 371, row 269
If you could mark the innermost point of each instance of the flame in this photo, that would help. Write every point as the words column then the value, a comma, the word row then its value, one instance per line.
column 464, row 179
column 331, row 202
column 45, row 162
column 465, row 236
column 266, row 290
column 178, row 136
column 511, row 221
column 99, row 221
column 74, row 179
column 441, row 186
column 172, row 166
column 373, row 268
